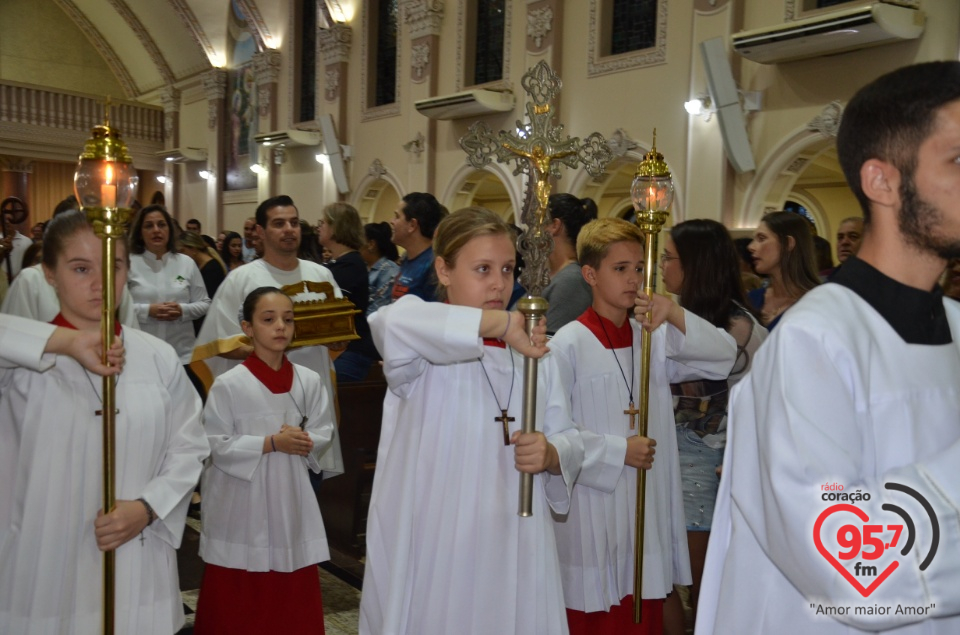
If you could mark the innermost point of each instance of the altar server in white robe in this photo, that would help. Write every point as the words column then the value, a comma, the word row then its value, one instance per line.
column 599, row 357
column 446, row 549
column 51, row 530
column 268, row 422
column 221, row 344
column 856, row 390
column 31, row 296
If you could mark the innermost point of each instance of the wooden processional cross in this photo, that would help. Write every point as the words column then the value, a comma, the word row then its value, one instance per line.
column 538, row 148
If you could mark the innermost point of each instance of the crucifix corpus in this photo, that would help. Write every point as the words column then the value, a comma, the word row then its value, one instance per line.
column 538, row 148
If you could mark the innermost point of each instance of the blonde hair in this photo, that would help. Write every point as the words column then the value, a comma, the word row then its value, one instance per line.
column 195, row 241
column 458, row 228
column 595, row 239
column 345, row 222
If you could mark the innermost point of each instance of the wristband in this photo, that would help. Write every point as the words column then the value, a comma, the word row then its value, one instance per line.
column 151, row 515
column 272, row 444
column 507, row 327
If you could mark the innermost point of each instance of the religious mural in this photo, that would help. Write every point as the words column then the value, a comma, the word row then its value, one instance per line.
column 242, row 151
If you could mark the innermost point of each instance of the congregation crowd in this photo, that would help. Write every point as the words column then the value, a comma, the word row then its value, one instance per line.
column 209, row 392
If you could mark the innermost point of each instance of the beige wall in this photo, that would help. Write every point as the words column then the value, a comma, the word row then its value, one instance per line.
column 40, row 45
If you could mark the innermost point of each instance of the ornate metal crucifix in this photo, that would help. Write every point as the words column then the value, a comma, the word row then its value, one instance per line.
column 539, row 148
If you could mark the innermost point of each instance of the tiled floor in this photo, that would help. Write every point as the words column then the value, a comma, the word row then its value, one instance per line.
column 339, row 582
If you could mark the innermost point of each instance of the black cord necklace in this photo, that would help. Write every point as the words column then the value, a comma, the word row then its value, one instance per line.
column 504, row 418
column 116, row 380
column 303, row 416
column 632, row 411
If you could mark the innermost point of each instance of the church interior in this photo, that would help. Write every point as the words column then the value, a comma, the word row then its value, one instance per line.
column 225, row 103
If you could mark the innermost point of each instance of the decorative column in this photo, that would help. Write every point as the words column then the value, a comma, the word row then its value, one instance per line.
column 266, row 70
column 170, row 99
column 215, row 90
column 15, row 178
column 423, row 19
column 334, row 45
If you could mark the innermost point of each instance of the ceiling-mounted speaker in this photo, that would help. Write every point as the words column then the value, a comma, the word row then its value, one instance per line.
column 726, row 99
column 332, row 149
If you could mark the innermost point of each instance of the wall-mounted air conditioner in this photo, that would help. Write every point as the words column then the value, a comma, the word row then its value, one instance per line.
column 289, row 138
column 471, row 103
column 834, row 32
column 183, row 155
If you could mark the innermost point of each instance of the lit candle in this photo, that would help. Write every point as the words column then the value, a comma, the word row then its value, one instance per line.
column 652, row 199
column 108, row 195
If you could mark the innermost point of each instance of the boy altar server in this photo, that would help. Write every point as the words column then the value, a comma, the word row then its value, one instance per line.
column 599, row 356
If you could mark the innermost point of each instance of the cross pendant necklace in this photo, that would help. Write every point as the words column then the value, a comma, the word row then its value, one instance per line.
column 504, row 418
column 303, row 417
column 632, row 411
column 99, row 412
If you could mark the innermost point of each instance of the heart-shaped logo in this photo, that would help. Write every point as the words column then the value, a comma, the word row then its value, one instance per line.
column 876, row 543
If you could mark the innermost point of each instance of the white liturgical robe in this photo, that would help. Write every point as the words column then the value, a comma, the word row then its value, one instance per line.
column 446, row 549
column 50, row 567
column 221, row 332
column 259, row 511
column 596, row 539
column 836, row 398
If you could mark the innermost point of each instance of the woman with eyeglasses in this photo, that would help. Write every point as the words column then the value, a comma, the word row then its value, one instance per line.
column 699, row 264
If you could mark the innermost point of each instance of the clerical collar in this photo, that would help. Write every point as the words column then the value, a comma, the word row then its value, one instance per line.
column 608, row 333
column 276, row 381
column 62, row 321
column 917, row 316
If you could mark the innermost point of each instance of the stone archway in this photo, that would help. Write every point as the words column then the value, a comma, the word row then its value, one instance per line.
column 377, row 194
column 493, row 187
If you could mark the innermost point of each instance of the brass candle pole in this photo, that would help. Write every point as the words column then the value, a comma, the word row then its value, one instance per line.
column 652, row 193
column 105, row 182
column 538, row 148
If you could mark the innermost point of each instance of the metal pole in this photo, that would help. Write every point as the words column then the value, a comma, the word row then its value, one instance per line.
column 533, row 310
column 107, row 325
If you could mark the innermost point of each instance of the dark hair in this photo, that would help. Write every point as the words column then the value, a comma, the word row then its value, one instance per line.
column 426, row 209
column 66, row 205
column 823, row 252
column 379, row 233
column 225, row 248
column 743, row 250
column 61, row 228
column 889, row 118
column 573, row 212
column 250, row 302
column 31, row 255
column 309, row 245
column 797, row 265
column 277, row 201
column 158, row 198
column 712, row 287
column 193, row 220
column 137, row 246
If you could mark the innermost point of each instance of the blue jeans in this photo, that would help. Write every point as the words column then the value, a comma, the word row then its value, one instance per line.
column 351, row 366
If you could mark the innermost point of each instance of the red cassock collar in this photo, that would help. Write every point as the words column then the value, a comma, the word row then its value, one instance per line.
column 276, row 381
column 614, row 337
column 62, row 321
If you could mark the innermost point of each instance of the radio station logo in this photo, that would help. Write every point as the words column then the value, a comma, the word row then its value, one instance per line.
column 865, row 550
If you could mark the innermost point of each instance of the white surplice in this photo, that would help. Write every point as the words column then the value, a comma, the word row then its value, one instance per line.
column 221, row 332
column 171, row 278
column 596, row 539
column 31, row 296
column 50, row 567
column 835, row 396
column 446, row 550
column 21, row 344
column 259, row 510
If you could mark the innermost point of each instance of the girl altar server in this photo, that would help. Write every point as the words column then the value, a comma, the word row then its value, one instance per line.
column 599, row 356
column 268, row 421
column 52, row 531
column 446, row 549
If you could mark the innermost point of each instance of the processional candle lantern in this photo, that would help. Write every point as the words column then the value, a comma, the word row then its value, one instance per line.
column 652, row 193
column 105, row 184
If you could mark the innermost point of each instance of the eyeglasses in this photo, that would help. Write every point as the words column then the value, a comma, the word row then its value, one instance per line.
column 665, row 258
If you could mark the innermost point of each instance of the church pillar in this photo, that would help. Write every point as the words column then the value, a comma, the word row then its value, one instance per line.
column 423, row 19
column 170, row 99
column 215, row 90
column 266, row 69
column 334, row 45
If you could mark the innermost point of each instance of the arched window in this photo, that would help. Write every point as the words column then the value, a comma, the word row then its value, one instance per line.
column 384, row 38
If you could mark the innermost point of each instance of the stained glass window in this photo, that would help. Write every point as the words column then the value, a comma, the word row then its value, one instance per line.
column 488, row 60
column 386, row 58
column 634, row 25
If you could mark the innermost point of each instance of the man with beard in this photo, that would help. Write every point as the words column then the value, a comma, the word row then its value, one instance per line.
column 854, row 398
